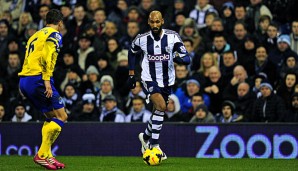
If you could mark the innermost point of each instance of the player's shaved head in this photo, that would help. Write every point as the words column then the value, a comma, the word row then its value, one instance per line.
column 156, row 22
column 155, row 14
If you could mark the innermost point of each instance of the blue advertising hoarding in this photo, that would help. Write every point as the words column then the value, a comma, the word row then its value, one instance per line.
column 181, row 140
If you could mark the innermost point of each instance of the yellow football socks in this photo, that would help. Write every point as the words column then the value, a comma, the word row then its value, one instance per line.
column 50, row 132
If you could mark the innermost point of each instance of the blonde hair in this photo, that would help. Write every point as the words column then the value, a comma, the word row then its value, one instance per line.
column 202, row 68
column 22, row 27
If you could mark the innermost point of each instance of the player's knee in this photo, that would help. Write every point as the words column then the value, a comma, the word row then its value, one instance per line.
column 161, row 107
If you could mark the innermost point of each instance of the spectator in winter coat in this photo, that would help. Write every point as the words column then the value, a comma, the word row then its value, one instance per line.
column 110, row 111
column 245, row 101
column 228, row 114
column 138, row 111
column 269, row 107
column 292, row 114
column 86, row 110
column 202, row 115
column 173, row 112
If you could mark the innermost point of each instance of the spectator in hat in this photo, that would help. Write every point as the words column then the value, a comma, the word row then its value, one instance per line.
column 283, row 49
column 110, row 111
column 178, row 20
column 184, row 94
column 86, row 110
column 29, row 31
column 66, row 11
column 287, row 88
column 20, row 114
column 189, row 30
column 85, row 53
column 202, row 115
column 290, row 65
column 228, row 17
column 269, row 107
column 121, row 73
column 228, row 114
column 173, row 112
column 134, row 14
column 196, row 100
column 257, row 82
column 72, row 76
column 292, row 113
column 71, row 98
column 246, row 56
column 107, row 88
column 92, row 82
column 138, row 111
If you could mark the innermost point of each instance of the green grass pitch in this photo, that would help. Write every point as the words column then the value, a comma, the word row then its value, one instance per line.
column 92, row 163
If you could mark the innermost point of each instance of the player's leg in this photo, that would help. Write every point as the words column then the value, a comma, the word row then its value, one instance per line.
column 157, row 117
column 53, row 131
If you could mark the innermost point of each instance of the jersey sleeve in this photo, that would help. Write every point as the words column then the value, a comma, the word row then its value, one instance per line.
column 179, row 46
column 135, row 45
column 51, row 50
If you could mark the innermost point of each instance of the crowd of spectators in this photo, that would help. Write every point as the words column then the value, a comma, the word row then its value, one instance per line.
column 244, row 59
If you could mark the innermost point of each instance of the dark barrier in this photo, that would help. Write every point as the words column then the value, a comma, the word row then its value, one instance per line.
column 184, row 140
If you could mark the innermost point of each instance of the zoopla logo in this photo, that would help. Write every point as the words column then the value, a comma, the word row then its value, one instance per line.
column 162, row 57
column 246, row 147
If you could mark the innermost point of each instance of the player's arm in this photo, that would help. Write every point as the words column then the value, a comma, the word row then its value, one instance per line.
column 51, row 50
column 182, row 56
column 135, row 47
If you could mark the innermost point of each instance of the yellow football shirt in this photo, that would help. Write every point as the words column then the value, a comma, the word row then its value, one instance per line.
column 41, row 53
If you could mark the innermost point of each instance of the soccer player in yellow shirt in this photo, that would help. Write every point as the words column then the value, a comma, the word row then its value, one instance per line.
column 37, row 84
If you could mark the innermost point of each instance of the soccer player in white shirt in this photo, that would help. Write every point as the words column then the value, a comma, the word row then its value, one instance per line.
column 160, row 49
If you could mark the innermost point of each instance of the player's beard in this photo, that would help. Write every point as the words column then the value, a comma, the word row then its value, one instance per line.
column 156, row 33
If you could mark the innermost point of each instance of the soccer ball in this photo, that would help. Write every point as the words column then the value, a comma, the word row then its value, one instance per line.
column 152, row 156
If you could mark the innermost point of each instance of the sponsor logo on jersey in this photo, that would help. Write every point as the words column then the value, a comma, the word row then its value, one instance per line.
column 161, row 57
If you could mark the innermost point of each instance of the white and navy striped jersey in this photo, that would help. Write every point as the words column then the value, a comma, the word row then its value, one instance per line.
column 157, row 64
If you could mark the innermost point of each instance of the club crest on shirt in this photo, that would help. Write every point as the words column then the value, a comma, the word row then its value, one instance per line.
column 168, row 49
column 57, row 36
column 150, row 89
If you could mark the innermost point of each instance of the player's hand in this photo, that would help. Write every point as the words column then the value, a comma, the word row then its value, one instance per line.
column 178, row 60
column 131, row 82
column 49, row 91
